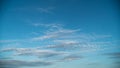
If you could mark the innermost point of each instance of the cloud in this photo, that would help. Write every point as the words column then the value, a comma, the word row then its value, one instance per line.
column 53, row 25
column 76, row 45
column 56, row 31
column 20, row 63
column 46, row 10
column 115, row 55
column 55, row 34
column 64, row 44
column 71, row 57
column 7, row 50
column 44, row 37
column 58, row 52
column 41, row 53
column 17, row 49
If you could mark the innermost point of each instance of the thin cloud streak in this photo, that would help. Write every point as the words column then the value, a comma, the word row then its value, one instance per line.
column 20, row 63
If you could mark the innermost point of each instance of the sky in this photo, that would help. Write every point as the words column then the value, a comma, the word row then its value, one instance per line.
column 59, row 34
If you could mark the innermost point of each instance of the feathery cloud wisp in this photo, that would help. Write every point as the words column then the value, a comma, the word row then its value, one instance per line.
column 20, row 63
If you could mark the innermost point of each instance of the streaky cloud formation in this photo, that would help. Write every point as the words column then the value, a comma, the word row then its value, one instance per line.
column 20, row 63
column 55, row 34
column 34, row 52
column 71, row 57
column 65, row 45
column 59, row 34
column 114, row 55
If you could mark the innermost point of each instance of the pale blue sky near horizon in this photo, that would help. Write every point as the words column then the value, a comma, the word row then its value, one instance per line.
column 59, row 34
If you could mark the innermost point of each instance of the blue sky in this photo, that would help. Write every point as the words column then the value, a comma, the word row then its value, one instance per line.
column 59, row 34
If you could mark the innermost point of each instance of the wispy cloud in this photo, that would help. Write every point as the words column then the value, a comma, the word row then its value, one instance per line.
column 55, row 34
column 41, row 53
column 71, row 57
column 20, row 63
column 114, row 55
column 46, row 10
column 50, row 26
column 58, row 31
column 65, row 45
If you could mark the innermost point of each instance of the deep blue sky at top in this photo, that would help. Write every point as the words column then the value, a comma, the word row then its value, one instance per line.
column 99, row 16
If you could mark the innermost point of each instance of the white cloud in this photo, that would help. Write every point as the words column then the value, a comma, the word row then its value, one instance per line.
column 56, row 31
column 43, row 37
column 66, row 41
column 115, row 55
column 50, row 26
column 20, row 63
column 46, row 10
column 42, row 53
column 7, row 49
column 71, row 57
column 55, row 34
column 64, row 44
